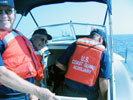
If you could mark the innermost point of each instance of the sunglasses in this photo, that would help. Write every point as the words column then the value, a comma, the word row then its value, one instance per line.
column 6, row 11
column 40, row 38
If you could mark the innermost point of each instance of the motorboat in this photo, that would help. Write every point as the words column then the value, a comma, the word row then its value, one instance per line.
column 65, row 33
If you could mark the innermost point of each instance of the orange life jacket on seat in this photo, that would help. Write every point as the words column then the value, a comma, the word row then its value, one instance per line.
column 84, row 64
column 19, row 56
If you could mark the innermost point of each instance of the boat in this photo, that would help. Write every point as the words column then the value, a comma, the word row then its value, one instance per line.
column 64, row 33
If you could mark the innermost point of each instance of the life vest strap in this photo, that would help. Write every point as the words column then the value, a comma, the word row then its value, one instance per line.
column 9, row 37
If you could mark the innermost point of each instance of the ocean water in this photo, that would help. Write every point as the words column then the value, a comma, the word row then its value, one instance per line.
column 121, row 43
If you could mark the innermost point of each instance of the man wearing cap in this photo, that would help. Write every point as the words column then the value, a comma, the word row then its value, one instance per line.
column 18, row 63
column 86, row 63
column 39, row 38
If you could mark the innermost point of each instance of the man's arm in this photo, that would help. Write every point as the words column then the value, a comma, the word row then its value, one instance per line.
column 34, row 97
column 12, row 80
column 103, row 84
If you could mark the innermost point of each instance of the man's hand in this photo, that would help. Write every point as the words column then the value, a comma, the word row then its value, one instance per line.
column 60, row 66
column 33, row 97
column 45, row 94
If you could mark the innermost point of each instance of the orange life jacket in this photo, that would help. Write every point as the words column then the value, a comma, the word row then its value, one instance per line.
column 40, row 58
column 19, row 57
column 84, row 64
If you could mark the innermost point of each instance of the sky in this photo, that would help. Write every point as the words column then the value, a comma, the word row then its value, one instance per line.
column 122, row 15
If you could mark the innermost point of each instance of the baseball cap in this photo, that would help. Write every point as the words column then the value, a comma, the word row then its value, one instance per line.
column 43, row 32
column 7, row 2
column 101, row 33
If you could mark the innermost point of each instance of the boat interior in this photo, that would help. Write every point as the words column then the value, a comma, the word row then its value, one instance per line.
column 121, row 82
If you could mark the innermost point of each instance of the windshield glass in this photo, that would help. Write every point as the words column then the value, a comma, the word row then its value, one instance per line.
column 69, row 31
column 86, row 12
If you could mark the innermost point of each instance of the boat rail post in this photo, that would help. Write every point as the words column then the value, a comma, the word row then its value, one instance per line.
column 112, row 86
column 126, row 55
column 34, row 19
column 19, row 22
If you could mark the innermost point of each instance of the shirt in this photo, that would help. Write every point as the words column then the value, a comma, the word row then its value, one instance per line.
column 104, row 69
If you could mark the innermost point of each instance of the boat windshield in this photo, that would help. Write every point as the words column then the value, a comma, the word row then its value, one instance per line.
column 85, row 12
column 69, row 31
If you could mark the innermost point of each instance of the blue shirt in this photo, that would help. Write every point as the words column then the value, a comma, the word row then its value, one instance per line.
column 3, row 89
column 104, row 69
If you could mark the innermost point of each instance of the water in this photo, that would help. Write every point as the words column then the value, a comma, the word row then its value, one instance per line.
column 121, row 43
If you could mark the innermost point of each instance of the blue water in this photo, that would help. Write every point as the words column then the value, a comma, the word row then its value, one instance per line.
column 121, row 43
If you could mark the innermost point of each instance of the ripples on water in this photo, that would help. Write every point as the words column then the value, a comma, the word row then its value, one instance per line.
column 121, row 43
